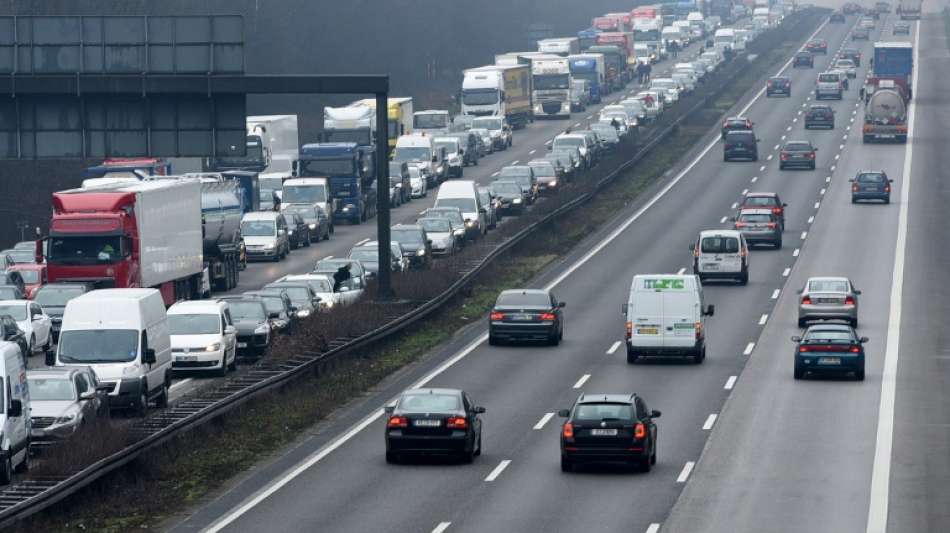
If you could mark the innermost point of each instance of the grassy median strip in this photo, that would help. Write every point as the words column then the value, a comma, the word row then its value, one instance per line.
column 189, row 469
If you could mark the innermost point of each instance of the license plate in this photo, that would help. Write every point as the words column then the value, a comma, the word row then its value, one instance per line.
column 829, row 360
column 603, row 432
column 711, row 266
column 427, row 423
column 885, row 136
column 647, row 331
column 521, row 317
column 186, row 358
column 827, row 300
column 242, row 345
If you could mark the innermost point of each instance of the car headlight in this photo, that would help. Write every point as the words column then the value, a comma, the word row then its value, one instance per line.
column 290, row 232
column 312, row 226
column 469, row 223
column 459, row 232
column 552, row 183
column 213, row 347
column 421, row 252
column 65, row 419
column 303, row 313
column 262, row 329
column 268, row 246
column 131, row 370
column 516, row 201
column 583, row 150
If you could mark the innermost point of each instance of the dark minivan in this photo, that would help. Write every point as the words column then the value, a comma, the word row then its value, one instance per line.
column 740, row 145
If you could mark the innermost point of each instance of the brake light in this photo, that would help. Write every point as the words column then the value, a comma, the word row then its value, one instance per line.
column 495, row 315
column 725, row 124
column 811, row 155
column 741, row 224
column 849, row 300
column 771, row 225
column 696, row 250
column 699, row 330
column 397, row 422
column 639, row 431
column 743, row 252
column 729, row 146
column 887, row 188
column 456, row 422
column 901, row 129
column 568, row 430
column 806, row 300
column 854, row 188
column 629, row 329
column 770, row 83
column 855, row 349
column 803, row 349
column 777, row 210
column 868, row 128
column 784, row 156
column 748, row 123
column 547, row 316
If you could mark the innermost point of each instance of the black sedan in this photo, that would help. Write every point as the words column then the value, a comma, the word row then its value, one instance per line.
column 829, row 349
column 871, row 185
column 608, row 428
column 803, row 59
column 250, row 317
column 433, row 422
column 526, row 314
column 778, row 85
column 820, row 116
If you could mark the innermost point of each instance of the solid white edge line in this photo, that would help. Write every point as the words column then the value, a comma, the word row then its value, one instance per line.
column 684, row 474
column 498, row 470
column 884, row 441
column 775, row 293
column 544, row 420
column 811, row 219
column 180, row 383
column 653, row 528
column 515, row 162
column 441, row 527
column 581, row 381
column 796, row 252
column 532, row 152
column 763, row 319
column 710, row 421
column 748, row 348
column 262, row 494
column 804, row 235
column 613, row 347
column 786, row 272
column 731, row 382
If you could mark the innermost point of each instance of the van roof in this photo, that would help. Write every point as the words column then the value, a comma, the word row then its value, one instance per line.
column 261, row 215
column 663, row 282
column 719, row 233
column 114, row 294
column 196, row 306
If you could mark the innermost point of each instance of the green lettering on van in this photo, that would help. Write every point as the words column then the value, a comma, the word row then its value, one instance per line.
column 662, row 284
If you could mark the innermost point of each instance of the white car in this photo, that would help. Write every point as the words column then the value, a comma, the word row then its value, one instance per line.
column 418, row 182
column 322, row 286
column 203, row 336
column 620, row 116
column 36, row 324
column 848, row 66
column 651, row 104
column 685, row 81
column 670, row 87
column 636, row 108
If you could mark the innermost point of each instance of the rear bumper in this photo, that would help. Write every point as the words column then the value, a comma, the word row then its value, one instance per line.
column 812, row 122
column 198, row 360
column 457, row 442
column 718, row 274
column 537, row 331
column 588, row 454
column 858, row 196
column 827, row 312
column 666, row 351
column 848, row 363
column 756, row 238
column 798, row 163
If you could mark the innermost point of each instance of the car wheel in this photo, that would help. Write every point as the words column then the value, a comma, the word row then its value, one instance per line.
column 887, row 200
column 700, row 356
column 141, row 405
column 24, row 465
column 478, row 450
column 554, row 340
column 644, row 465
column 566, row 464
column 162, row 401
column 778, row 244
column 798, row 373
column 781, row 166
column 468, row 457
column 632, row 356
column 233, row 366
column 492, row 341
column 6, row 473
column 31, row 347
column 859, row 375
column 308, row 241
column 853, row 322
column 853, row 201
column 392, row 458
column 744, row 278
column 49, row 343
column 813, row 166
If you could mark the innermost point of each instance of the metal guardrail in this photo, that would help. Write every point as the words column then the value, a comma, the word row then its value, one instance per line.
column 33, row 495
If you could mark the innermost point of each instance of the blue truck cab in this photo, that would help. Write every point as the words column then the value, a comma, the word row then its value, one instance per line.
column 587, row 38
column 584, row 67
column 351, row 172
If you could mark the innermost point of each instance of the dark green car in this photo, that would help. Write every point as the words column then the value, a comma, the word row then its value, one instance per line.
column 829, row 349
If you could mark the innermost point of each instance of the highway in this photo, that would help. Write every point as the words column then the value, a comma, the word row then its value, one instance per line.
column 337, row 479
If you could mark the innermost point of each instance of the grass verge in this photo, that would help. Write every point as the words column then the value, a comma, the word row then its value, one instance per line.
column 183, row 472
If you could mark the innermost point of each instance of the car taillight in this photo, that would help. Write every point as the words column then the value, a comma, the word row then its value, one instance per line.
column 741, row 224
column 547, row 316
column 567, row 431
column 699, row 330
column 854, row 188
column 771, row 225
column 725, row 124
column 495, row 315
column 639, row 431
column 629, row 328
column 806, row 300
column 770, row 83
column 849, row 300
column 397, row 422
column 748, row 124
column 887, row 188
column 803, row 349
column 784, row 156
column 855, row 349
column 456, row 422
column 729, row 146
column 811, row 155
column 743, row 252
column 777, row 210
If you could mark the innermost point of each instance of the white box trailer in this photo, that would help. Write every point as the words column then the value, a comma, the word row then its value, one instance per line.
column 279, row 134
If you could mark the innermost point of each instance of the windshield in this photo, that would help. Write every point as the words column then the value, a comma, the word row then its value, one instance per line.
column 304, row 194
column 450, row 147
column 430, row 121
column 407, row 236
column 325, row 167
column 254, row 153
column 195, row 324
column 663, row 84
column 798, row 147
column 573, row 142
column 545, row 169
column 366, row 256
column 409, row 153
column 506, row 189
column 514, row 172
column 489, row 123
column 53, row 390
column 517, row 299
column 317, row 284
column 85, row 249
column 273, row 304
column 258, row 228
column 828, row 285
column 436, row 225
column 720, row 245
column 826, row 335
column 828, row 78
column 465, row 205
column 55, row 297
column 845, row 63
column 247, row 311
column 552, row 81
column 18, row 312
column 305, row 211
column 424, row 402
column 30, row 276
column 603, row 411
column 298, row 295
column 760, row 200
column 21, row 256
column 480, row 96
column 98, row 346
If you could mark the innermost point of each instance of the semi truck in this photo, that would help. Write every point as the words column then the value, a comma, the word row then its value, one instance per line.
column 561, row 46
column 140, row 166
column 587, row 38
column 498, row 90
column 616, row 74
column 551, row 80
column 398, row 113
column 146, row 234
column 271, row 146
column 895, row 61
column 885, row 113
column 432, row 121
column 590, row 67
column 350, row 124
column 607, row 23
column 351, row 170
column 909, row 9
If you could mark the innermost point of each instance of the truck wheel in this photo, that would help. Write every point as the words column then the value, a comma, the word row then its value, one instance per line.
column 6, row 472
column 632, row 356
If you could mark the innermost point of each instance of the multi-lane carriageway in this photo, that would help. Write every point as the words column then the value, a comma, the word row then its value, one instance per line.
column 782, row 455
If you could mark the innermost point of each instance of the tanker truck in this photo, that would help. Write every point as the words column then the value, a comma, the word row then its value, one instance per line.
column 885, row 113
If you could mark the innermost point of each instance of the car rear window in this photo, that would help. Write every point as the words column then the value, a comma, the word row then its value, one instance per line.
column 755, row 218
column 518, row 298
column 798, row 147
column 429, row 402
column 828, row 78
column 871, row 178
column 826, row 335
column 600, row 411
column 760, row 200
column 827, row 285
column 720, row 245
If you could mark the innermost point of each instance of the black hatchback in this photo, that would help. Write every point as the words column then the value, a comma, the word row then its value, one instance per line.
column 778, row 85
column 740, row 145
column 433, row 422
column 804, row 59
column 526, row 314
column 608, row 428
column 820, row 116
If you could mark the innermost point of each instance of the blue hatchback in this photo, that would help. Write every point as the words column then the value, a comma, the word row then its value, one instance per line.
column 829, row 349
column 871, row 185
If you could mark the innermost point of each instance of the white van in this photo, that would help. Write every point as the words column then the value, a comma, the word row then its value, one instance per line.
column 123, row 335
column 673, row 33
column 463, row 194
column 14, row 412
column 721, row 254
column 203, row 336
column 725, row 38
column 420, row 147
column 666, row 317
column 314, row 192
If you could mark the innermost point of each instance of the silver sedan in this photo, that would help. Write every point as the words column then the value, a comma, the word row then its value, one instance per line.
column 828, row 298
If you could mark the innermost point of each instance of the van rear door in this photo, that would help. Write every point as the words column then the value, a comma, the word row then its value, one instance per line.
column 679, row 326
column 646, row 319
column 719, row 253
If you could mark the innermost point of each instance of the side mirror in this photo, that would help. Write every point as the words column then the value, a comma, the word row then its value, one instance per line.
column 758, row 140
column 435, row 159
column 88, row 395
column 710, row 310
column 273, row 315
column 562, row 305
column 784, row 205
column 230, row 330
column 16, row 408
column 692, row 246
column 564, row 413
column 864, row 340
column 150, row 356
column 796, row 338
column 655, row 414
column 389, row 409
column 50, row 359
column 429, row 241
column 478, row 410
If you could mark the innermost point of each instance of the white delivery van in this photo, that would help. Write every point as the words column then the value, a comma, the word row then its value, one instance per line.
column 463, row 194
column 725, row 38
column 666, row 317
column 721, row 254
column 123, row 335
column 14, row 412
